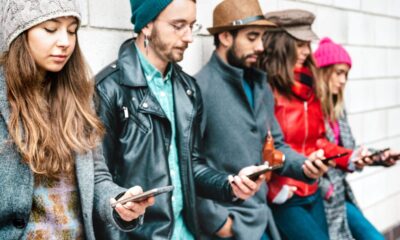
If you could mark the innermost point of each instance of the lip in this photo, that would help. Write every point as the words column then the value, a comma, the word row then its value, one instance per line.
column 59, row 58
column 252, row 58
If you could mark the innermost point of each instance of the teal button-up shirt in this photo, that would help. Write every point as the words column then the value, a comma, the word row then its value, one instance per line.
column 161, row 87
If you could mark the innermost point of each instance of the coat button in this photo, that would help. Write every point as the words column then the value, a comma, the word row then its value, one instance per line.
column 145, row 105
column 19, row 223
column 253, row 129
column 189, row 92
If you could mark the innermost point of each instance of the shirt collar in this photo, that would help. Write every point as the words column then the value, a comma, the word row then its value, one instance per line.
column 150, row 71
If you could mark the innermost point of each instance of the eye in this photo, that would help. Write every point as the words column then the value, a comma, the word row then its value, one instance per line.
column 178, row 26
column 50, row 30
column 72, row 31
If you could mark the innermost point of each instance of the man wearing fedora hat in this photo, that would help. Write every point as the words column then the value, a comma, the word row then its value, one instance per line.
column 151, row 110
column 239, row 112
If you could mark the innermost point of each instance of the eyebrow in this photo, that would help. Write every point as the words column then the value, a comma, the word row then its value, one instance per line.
column 183, row 21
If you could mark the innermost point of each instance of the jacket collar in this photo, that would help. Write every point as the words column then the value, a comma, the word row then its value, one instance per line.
column 131, row 71
column 300, row 89
column 235, row 74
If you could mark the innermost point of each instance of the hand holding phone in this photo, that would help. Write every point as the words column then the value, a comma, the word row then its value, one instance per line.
column 140, row 197
column 255, row 175
column 379, row 152
column 326, row 160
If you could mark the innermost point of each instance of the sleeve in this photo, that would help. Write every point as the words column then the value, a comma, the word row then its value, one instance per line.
column 209, row 182
column 331, row 149
column 105, row 189
column 293, row 161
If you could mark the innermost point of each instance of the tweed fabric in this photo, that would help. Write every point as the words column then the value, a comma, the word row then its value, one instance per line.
column 335, row 208
column 20, row 15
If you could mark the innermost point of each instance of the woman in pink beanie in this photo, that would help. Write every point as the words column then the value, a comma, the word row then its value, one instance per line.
column 344, row 218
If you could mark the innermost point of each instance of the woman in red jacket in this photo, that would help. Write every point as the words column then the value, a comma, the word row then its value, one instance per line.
column 290, row 67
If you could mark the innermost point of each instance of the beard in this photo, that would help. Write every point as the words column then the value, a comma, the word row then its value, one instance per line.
column 239, row 62
column 162, row 49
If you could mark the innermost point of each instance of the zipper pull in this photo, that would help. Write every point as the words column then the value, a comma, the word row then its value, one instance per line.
column 126, row 113
column 305, row 106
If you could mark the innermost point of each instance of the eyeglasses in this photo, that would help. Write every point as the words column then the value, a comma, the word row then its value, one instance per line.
column 182, row 28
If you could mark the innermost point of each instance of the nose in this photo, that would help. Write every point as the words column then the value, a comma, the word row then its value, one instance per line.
column 306, row 51
column 188, row 36
column 259, row 47
column 343, row 79
column 64, row 40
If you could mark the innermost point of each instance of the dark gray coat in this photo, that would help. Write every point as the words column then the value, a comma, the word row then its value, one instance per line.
column 16, row 183
column 234, row 135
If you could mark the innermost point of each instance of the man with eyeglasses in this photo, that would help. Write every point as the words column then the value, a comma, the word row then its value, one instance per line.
column 152, row 110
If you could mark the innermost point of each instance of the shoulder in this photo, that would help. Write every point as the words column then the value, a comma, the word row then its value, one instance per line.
column 106, row 73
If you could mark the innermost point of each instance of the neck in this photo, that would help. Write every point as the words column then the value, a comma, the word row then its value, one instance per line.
column 151, row 56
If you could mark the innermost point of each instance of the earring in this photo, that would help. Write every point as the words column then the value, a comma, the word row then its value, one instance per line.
column 146, row 44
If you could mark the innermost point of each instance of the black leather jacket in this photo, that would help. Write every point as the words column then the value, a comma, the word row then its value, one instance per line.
column 137, row 143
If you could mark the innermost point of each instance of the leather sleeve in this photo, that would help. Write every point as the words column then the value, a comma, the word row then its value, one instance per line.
column 209, row 182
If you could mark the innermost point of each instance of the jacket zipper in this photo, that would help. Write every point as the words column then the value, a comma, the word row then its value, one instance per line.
column 305, row 125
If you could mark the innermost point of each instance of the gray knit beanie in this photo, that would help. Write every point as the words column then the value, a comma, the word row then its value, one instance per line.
column 20, row 15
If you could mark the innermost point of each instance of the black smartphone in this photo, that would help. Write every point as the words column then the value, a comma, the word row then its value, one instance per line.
column 140, row 197
column 376, row 153
column 255, row 175
column 326, row 160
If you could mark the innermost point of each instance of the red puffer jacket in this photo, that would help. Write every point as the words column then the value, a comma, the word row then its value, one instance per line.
column 302, row 123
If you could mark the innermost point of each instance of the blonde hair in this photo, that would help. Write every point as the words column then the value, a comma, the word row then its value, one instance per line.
column 51, row 119
column 332, row 104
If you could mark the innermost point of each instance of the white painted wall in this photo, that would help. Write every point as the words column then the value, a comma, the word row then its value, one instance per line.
column 369, row 29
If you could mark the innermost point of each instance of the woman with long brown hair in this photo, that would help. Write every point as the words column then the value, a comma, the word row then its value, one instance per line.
column 344, row 218
column 297, row 206
column 52, row 174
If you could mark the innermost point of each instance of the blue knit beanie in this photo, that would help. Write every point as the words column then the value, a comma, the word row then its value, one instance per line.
column 145, row 11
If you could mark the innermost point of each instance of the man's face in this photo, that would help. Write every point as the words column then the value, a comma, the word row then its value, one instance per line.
column 172, row 30
column 246, row 47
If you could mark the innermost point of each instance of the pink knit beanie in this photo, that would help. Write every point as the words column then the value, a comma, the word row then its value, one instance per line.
column 329, row 53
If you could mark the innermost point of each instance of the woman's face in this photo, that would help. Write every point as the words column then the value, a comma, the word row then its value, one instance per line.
column 303, row 51
column 338, row 77
column 52, row 43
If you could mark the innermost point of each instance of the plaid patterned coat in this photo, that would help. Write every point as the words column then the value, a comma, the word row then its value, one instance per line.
column 335, row 207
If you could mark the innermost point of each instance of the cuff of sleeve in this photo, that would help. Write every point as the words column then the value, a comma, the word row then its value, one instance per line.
column 124, row 225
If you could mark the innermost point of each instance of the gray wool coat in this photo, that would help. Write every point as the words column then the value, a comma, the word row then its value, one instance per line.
column 233, row 138
column 16, row 183
column 335, row 208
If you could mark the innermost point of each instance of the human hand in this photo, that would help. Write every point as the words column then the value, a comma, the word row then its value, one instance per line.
column 226, row 230
column 242, row 186
column 313, row 167
column 132, row 210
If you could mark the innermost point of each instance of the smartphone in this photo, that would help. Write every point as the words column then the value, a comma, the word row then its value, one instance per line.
column 376, row 153
column 326, row 160
column 255, row 175
column 140, row 197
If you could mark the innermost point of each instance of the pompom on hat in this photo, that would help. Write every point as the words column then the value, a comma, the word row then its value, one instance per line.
column 330, row 53
column 18, row 16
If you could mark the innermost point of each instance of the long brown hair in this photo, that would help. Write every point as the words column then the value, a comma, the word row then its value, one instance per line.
column 51, row 119
column 279, row 59
column 332, row 104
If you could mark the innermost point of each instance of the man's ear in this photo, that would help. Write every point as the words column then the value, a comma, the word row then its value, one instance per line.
column 146, row 30
column 225, row 39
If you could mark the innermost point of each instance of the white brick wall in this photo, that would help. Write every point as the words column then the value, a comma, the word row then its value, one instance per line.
column 369, row 29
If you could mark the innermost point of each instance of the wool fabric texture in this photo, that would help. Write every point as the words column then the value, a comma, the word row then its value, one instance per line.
column 145, row 11
column 330, row 53
column 20, row 15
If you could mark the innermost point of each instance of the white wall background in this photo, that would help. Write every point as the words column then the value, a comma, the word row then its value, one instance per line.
column 369, row 29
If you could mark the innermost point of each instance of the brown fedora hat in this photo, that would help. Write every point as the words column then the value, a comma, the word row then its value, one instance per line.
column 233, row 14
